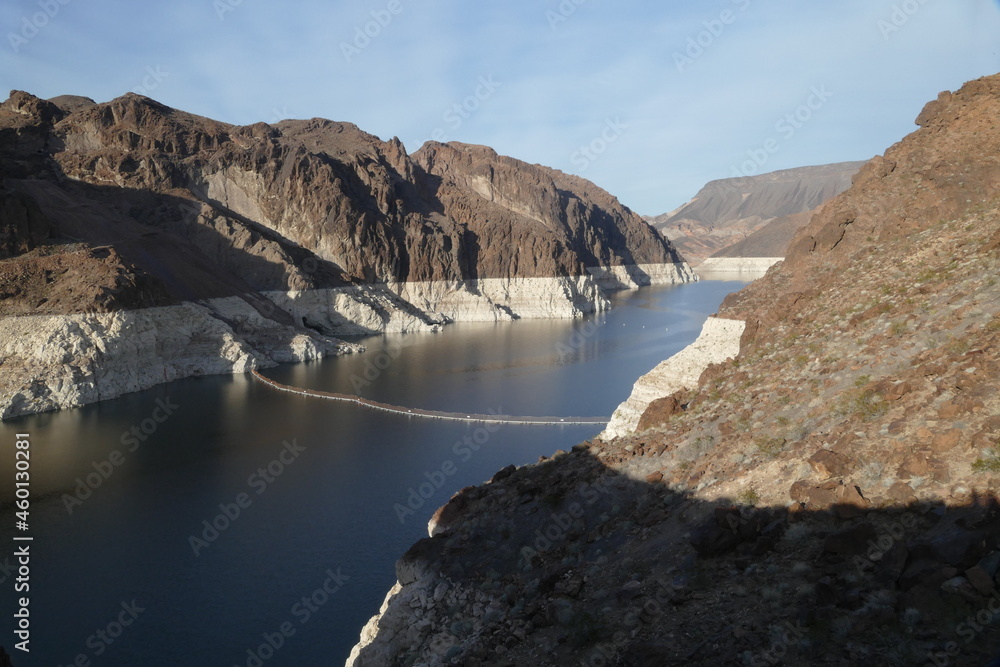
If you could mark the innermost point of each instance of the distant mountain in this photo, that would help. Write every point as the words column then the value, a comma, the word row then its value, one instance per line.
column 772, row 239
column 728, row 211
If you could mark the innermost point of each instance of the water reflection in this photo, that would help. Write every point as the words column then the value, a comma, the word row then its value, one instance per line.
column 332, row 508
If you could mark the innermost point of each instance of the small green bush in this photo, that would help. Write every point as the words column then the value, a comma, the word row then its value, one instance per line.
column 748, row 497
column 869, row 404
column 990, row 461
column 769, row 447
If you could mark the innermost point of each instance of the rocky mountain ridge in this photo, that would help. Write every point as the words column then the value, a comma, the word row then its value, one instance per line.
column 264, row 242
column 827, row 496
column 752, row 216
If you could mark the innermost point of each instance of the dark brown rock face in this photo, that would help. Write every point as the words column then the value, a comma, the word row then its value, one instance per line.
column 209, row 209
column 570, row 224
column 658, row 412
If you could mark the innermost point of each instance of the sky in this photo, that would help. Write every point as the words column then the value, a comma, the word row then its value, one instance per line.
column 648, row 100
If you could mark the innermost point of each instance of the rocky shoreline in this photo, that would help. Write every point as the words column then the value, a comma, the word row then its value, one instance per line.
column 406, row 616
column 54, row 362
column 737, row 264
column 826, row 496
column 718, row 342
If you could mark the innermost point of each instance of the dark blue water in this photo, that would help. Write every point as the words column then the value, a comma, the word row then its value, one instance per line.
column 321, row 488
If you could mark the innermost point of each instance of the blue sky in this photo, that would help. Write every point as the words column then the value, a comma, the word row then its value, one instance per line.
column 650, row 101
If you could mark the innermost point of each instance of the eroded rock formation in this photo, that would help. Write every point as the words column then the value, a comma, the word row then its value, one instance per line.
column 270, row 239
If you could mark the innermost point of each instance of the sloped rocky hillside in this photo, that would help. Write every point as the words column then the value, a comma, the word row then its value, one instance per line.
column 826, row 497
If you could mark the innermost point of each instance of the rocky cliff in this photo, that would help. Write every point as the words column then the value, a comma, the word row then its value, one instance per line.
column 752, row 216
column 138, row 229
column 718, row 342
column 827, row 496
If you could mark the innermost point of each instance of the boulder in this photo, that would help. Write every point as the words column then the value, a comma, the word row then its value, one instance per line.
column 901, row 493
column 829, row 464
column 659, row 412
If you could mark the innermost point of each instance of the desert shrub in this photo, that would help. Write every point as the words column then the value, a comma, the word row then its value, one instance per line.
column 873, row 473
column 769, row 446
column 748, row 497
column 989, row 461
column 864, row 404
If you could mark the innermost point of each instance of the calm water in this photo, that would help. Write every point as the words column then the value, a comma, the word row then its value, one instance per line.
column 114, row 574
